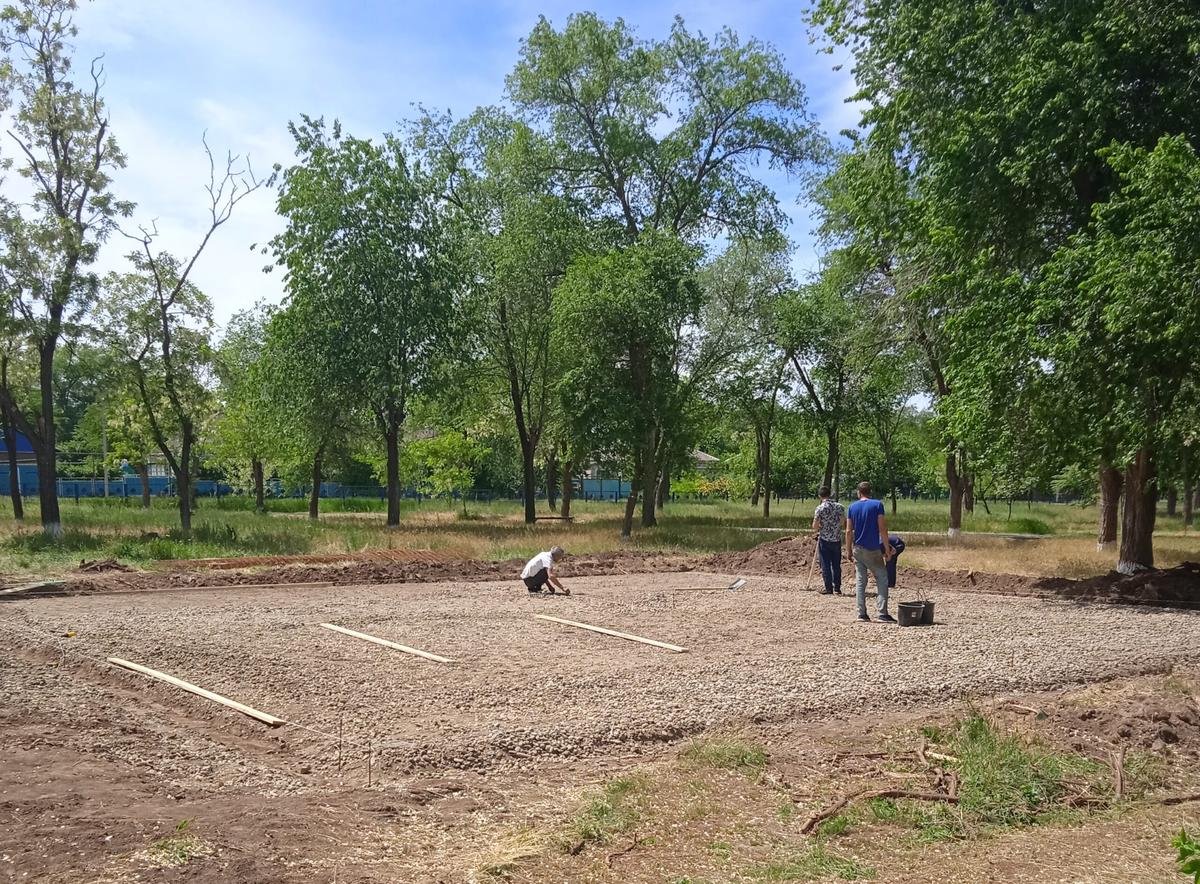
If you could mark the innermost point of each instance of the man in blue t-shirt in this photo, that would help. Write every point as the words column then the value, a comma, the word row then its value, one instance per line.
column 867, row 545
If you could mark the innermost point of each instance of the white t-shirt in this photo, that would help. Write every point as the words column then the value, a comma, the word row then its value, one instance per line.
column 537, row 563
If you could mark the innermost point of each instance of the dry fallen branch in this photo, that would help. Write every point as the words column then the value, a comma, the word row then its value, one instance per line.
column 1178, row 799
column 951, row 759
column 868, row 794
column 633, row 845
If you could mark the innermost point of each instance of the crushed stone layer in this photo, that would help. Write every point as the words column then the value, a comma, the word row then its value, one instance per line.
column 520, row 690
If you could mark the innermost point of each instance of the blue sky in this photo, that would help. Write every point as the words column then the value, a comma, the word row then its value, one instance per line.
column 241, row 70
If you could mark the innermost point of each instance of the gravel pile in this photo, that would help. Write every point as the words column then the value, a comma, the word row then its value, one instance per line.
column 521, row 689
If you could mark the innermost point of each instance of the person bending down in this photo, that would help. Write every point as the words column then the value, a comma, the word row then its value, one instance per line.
column 539, row 572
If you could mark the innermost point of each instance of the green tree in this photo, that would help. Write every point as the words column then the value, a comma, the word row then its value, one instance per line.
column 994, row 117
column 68, row 154
column 518, row 235
column 242, row 435
column 747, row 283
column 617, row 316
column 365, row 255
column 445, row 465
column 159, row 327
column 662, row 135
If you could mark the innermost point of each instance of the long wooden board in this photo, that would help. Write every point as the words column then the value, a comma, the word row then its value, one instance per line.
column 265, row 718
column 613, row 632
column 387, row 644
column 26, row 587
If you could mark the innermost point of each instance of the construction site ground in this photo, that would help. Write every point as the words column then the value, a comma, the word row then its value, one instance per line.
column 395, row 767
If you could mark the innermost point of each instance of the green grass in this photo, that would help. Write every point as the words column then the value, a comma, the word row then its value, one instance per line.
column 726, row 753
column 120, row 529
column 609, row 813
column 815, row 863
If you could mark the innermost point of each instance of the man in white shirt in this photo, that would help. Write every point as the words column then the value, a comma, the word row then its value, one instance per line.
column 539, row 572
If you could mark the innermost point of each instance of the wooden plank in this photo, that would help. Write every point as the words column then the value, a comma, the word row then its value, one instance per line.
column 387, row 644
column 613, row 632
column 25, row 587
column 201, row 692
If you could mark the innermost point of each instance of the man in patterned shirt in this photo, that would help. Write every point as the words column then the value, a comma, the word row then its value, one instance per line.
column 829, row 521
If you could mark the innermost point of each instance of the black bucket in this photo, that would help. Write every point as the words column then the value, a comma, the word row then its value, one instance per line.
column 927, row 614
column 910, row 613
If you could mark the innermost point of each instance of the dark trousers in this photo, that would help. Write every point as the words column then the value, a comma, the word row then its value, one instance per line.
column 537, row 581
column 830, row 554
column 891, row 566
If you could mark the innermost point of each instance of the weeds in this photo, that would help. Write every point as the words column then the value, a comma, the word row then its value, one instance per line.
column 817, row 862
column 611, row 812
column 726, row 754
column 178, row 848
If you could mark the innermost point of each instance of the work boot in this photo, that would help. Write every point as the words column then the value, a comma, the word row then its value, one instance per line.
column 886, row 618
column 827, row 592
column 863, row 618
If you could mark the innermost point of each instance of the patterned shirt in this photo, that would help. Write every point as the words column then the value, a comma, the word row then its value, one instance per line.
column 830, row 517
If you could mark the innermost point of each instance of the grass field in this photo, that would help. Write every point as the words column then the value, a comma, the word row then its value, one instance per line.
column 122, row 530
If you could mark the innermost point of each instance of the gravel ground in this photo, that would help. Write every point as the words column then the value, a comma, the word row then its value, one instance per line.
column 522, row 689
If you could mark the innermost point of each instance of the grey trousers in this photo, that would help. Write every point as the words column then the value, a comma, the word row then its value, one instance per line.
column 870, row 560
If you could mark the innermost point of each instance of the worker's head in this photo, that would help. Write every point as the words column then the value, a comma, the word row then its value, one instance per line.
column 824, row 493
column 557, row 553
column 864, row 490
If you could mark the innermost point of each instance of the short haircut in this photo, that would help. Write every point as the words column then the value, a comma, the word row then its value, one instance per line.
column 864, row 488
column 557, row 553
column 824, row 492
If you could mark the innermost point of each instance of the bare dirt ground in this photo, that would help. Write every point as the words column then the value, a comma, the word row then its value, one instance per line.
column 1178, row 586
column 464, row 757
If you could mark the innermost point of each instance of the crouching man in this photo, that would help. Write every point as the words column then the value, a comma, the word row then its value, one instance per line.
column 539, row 572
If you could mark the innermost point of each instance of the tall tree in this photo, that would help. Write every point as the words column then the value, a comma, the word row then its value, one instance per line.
column 519, row 235
column 662, row 135
column 160, row 328
column 747, row 285
column 68, row 154
column 242, row 436
column 617, row 316
column 364, row 248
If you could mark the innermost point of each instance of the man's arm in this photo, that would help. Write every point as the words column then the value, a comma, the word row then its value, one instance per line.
column 816, row 524
column 883, row 535
column 849, row 539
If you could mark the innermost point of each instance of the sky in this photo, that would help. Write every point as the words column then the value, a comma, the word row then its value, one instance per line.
column 239, row 71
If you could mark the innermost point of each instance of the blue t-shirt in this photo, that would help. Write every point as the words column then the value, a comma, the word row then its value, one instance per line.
column 865, row 516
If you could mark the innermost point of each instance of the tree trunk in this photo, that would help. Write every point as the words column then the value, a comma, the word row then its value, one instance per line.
column 649, row 478
column 256, row 469
column 969, row 494
column 664, row 487
column 1137, row 524
column 1110, row 502
column 45, row 446
column 528, row 481
column 766, row 474
column 314, row 495
column 143, row 471
column 630, row 507
column 955, row 480
column 831, row 456
column 391, row 439
column 14, row 472
column 1189, row 511
column 183, row 480
column 568, row 486
column 1172, row 501
column 552, row 480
